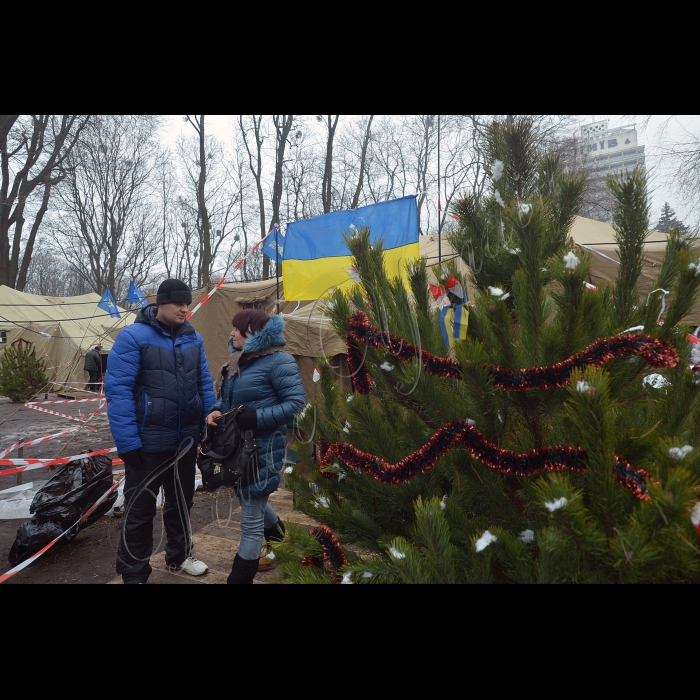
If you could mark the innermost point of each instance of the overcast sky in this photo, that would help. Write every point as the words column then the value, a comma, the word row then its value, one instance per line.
column 649, row 135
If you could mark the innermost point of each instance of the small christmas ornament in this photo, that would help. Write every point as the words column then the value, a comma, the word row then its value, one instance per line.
column 558, row 503
column 496, row 170
column 396, row 553
column 484, row 541
column 354, row 274
column 527, row 536
column 571, row 261
column 695, row 517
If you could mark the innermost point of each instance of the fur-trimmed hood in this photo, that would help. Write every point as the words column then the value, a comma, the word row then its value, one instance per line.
column 270, row 334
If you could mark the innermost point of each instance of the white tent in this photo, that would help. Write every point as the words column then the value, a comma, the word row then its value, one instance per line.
column 62, row 329
column 598, row 238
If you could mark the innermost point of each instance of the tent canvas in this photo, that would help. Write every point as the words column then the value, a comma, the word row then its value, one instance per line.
column 598, row 238
column 307, row 329
column 306, row 335
column 62, row 329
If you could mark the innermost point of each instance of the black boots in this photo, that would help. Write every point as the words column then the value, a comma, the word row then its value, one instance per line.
column 275, row 533
column 243, row 570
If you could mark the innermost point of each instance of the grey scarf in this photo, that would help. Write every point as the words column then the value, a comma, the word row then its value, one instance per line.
column 239, row 359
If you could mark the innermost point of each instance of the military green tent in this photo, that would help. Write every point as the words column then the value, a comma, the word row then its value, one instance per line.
column 62, row 329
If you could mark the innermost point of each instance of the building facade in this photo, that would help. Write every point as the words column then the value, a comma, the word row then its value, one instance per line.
column 609, row 151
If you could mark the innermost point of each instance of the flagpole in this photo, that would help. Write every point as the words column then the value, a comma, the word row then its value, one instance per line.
column 277, row 267
column 439, row 204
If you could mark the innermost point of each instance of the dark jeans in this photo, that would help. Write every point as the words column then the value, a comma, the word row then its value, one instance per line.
column 94, row 383
column 140, row 492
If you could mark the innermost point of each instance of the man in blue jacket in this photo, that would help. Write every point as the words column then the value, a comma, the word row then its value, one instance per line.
column 159, row 391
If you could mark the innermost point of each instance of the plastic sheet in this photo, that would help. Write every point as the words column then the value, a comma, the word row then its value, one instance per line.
column 16, row 501
column 58, row 506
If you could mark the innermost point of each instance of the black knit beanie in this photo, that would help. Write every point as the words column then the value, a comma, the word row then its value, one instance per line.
column 173, row 292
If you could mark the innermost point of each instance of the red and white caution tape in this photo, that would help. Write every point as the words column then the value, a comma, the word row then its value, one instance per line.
column 590, row 286
column 206, row 298
column 252, row 250
column 31, row 404
column 37, row 441
column 83, row 517
column 21, row 465
column 692, row 339
column 63, row 415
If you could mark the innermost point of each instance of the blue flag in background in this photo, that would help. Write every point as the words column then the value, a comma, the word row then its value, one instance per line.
column 108, row 304
column 273, row 246
column 136, row 295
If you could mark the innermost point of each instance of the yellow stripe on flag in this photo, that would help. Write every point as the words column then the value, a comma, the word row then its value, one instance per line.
column 314, row 279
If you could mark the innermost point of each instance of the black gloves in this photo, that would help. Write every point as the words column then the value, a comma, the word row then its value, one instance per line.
column 247, row 418
column 134, row 458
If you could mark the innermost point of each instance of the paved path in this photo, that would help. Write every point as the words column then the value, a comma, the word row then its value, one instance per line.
column 217, row 543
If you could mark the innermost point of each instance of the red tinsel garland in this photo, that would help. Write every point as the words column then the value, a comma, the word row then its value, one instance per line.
column 654, row 352
column 524, row 464
column 332, row 551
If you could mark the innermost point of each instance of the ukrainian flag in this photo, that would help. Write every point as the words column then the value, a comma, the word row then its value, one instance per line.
column 316, row 259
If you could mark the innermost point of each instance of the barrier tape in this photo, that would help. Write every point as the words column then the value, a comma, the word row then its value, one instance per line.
column 63, row 415
column 36, row 442
column 17, row 470
column 29, row 404
column 34, row 557
column 204, row 301
column 252, row 250
column 20, row 465
column 692, row 339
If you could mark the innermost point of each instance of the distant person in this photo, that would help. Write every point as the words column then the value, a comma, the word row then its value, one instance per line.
column 159, row 392
column 264, row 379
column 93, row 366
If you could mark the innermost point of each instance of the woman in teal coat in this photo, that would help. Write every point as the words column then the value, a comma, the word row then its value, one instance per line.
column 264, row 379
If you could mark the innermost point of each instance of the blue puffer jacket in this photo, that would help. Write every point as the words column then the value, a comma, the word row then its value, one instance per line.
column 158, row 385
column 272, row 385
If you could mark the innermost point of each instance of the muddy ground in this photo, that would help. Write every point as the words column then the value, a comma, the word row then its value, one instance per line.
column 91, row 556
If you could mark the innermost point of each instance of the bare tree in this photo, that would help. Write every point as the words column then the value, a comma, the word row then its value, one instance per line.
column 50, row 275
column 253, row 137
column 331, row 125
column 104, row 219
column 254, row 134
column 202, row 215
column 214, row 201
column 283, row 125
column 33, row 150
column 300, row 191
column 363, row 162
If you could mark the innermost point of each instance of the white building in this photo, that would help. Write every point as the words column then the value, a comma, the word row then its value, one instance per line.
column 608, row 151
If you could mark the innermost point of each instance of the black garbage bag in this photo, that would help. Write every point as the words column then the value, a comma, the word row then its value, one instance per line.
column 61, row 502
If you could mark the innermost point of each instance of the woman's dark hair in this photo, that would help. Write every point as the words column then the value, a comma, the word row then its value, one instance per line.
column 250, row 321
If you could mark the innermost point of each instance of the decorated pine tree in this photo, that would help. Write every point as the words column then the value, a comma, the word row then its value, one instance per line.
column 22, row 374
column 541, row 432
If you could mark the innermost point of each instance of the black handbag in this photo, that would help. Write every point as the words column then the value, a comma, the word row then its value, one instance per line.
column 228, row 456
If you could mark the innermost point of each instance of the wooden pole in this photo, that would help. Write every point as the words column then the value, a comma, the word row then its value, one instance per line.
column 20, row 454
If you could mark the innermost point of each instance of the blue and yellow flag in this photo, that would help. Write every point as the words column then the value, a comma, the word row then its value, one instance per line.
column 454, row 320
column 316, row 259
